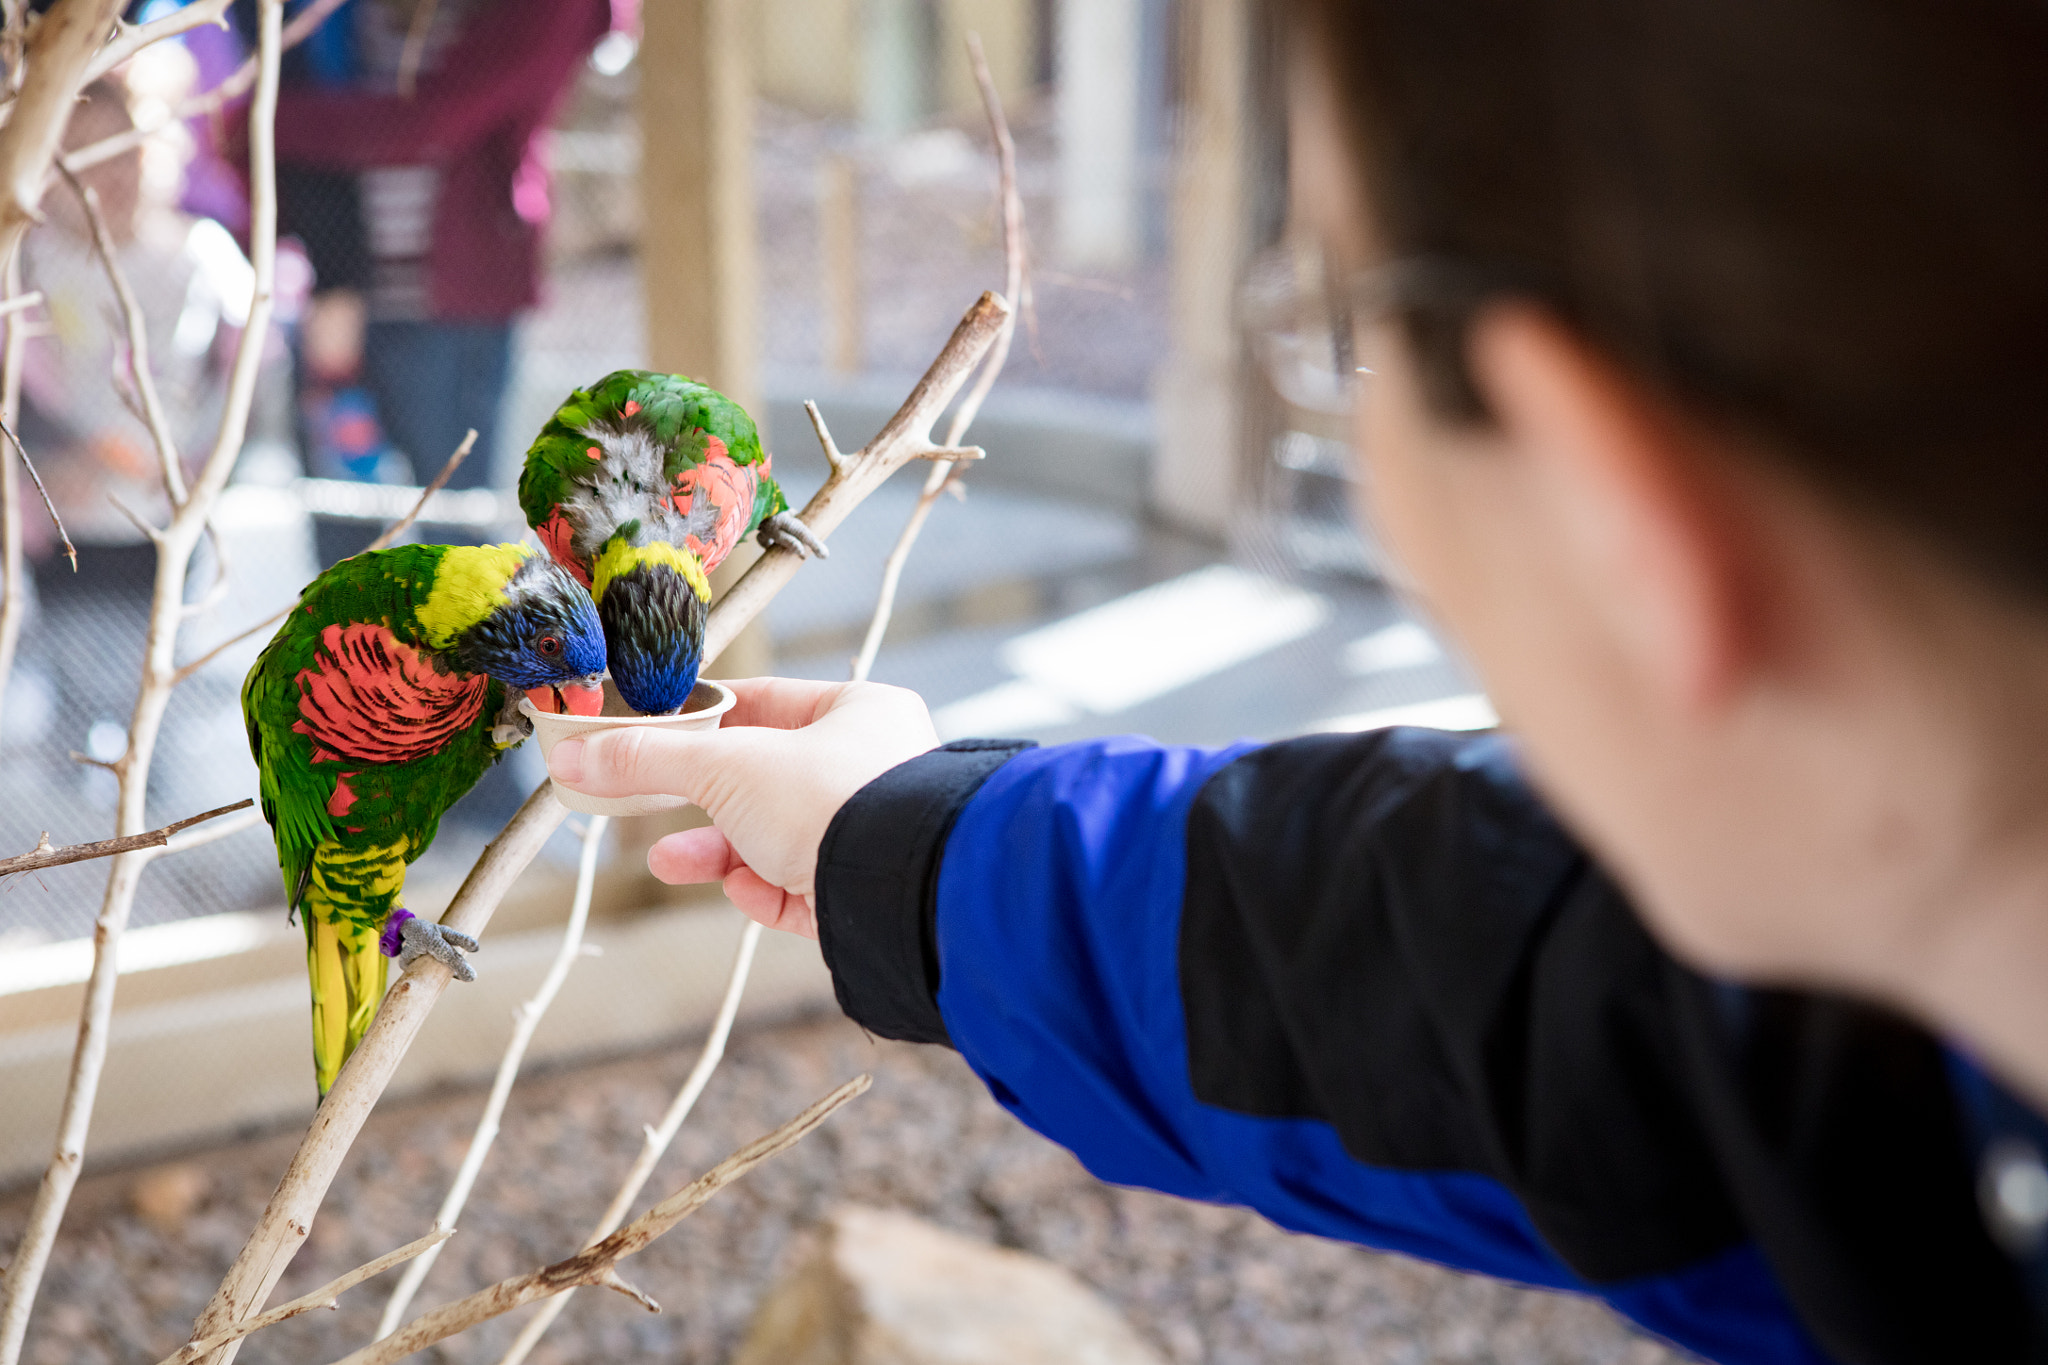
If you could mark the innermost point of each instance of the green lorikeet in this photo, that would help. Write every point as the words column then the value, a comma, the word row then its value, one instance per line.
column 383, row 698
column 641, row 485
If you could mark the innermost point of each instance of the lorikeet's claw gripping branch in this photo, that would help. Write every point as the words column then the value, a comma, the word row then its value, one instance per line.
column 409, row 938
column 785, row 531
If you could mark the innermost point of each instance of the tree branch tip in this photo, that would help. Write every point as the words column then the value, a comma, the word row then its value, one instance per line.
column 610, row 1280
column 952, row 454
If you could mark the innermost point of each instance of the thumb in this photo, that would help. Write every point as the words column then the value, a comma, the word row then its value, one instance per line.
column 636, row 761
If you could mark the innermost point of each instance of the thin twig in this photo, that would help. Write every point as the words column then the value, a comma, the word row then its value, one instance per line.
column 1016, row 283
column 391, row 533
column 42, row 857
column 326, row 1296
column 13, row 562
column 130, row 39
column 206, row 102
column 140, row 373
column 20, row 301
column 210, row 834
column 70, row 550
column 599, row 1264
column 526, row 1021
column 404, row 523
column 62, row 60
column 657, row 1138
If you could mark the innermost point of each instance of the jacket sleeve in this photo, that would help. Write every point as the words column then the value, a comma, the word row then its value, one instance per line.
column 1366, row 986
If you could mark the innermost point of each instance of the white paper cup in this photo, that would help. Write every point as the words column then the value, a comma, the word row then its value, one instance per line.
column 708, row 702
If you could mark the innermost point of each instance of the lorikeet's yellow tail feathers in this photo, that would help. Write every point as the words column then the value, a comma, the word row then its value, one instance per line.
column 347, row 971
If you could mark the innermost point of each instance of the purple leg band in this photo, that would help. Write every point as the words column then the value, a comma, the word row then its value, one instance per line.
column 391, row 942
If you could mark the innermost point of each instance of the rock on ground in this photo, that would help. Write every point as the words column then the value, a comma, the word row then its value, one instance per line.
column 1202, row 1285
column 880, row 1287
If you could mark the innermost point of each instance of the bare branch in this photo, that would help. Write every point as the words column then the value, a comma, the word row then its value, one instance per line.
column 20, row 301
column 60, row 47
column 658, row 1137
column 598, row 1264
column 88, row 761
column 140, row 373
column 528, row 1019
column 217, row 591
column 1016, row 280
column 404, row 523
column 60, row 51
column 44, row 856
column 903, row 438
column 211, row 834
column 326, row 1296
column 13, row 562
column 833, row 457
column 70, row 550
column 392, row 533
column 132, row 38
column 207, row 102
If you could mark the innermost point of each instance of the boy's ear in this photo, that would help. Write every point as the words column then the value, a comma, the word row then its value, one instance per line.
column 1630, row 498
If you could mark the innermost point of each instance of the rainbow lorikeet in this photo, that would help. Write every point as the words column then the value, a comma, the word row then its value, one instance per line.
column 382, row 698
column 641, row 485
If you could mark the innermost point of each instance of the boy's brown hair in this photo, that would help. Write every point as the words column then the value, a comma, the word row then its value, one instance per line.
column 1823, row 223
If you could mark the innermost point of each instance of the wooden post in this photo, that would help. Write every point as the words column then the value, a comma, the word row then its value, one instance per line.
column 1199, row 390
column 698, row 244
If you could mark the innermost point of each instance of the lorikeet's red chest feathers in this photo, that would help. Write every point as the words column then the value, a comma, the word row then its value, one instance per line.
column 372, row 698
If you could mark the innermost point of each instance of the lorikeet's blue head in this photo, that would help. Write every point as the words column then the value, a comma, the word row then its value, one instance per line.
column 545, row 632
column 652, row 600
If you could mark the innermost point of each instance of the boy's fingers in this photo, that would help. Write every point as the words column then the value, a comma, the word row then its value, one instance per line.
column 770, row 904
column 779, row 703
column 632, row 762
column 693, row 855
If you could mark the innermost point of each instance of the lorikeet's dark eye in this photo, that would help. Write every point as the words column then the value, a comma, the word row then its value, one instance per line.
column 549, row 647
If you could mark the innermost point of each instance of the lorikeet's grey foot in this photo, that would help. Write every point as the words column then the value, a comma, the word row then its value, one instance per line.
column 512, row 725
column 786, row 531
column 408, row 938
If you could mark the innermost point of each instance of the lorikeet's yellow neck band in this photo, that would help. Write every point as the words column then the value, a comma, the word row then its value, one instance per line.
column 469, row 585
column 618, row 557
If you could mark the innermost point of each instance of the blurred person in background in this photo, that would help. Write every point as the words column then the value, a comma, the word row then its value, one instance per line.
column 80, row 415
column 410, row 165
column 1707, row 412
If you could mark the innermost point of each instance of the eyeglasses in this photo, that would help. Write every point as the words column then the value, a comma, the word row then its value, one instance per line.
column 1305, row 328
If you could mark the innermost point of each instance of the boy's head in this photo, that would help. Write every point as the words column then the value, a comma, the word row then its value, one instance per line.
column 1713, row 418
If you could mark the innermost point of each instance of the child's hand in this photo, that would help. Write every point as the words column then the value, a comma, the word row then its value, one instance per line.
column 788, row 757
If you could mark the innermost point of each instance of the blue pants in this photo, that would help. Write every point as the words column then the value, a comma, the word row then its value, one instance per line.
column 434, row 381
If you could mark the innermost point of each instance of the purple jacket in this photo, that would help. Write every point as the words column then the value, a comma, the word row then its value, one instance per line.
column 476, row 119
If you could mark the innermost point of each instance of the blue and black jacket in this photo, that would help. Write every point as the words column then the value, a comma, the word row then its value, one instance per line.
column 1367, row 986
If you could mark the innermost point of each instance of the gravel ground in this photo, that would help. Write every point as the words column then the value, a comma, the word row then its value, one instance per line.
column 1211, row 1285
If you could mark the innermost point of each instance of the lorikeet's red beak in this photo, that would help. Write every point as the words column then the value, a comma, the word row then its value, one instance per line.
column 583, row 699
column 575, row 699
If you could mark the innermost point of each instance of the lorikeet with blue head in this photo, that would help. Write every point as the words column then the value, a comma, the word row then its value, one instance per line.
column 385, row 695
column 640, row 485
